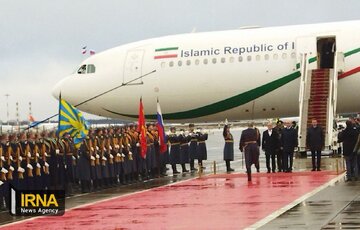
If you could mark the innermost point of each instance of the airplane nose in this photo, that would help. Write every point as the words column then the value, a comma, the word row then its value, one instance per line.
column 57, row 90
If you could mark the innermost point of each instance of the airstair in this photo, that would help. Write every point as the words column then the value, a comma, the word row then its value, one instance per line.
column 318, row 99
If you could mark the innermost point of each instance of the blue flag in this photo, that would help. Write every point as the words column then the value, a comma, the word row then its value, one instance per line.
column 72, row 121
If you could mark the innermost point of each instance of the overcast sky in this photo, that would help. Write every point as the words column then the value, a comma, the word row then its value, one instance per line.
column 41, row 40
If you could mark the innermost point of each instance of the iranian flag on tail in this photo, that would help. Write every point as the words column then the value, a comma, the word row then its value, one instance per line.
column 161, row 130
column 166, row 52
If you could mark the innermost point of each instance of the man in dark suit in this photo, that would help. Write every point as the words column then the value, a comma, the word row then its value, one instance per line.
column 315, row 142
column 349, row 137
column 289, row 140
column 270, row 144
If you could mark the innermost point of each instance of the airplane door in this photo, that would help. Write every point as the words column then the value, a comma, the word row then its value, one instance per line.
column 133, row 67
column 307, row 46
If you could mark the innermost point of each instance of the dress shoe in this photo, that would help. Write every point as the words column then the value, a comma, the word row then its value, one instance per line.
column 230, row 170
column 313, row 170
column 268, row 171
column 176, row 172
column 185, row 171
column 318, row 169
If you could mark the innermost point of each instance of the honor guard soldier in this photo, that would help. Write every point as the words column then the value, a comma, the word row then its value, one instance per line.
column 119, row 159
column 69, row 150
column 136, row 152
column 112, row 155
column 201, row 148
column 193, row 146
column 102, row 137
column 96, row 143
column 45, row 149
column 126, row 154
column 21, row 162
column 249, row 146
column 150, row 154
column 174, row 141
column 228, row 148
column 132, row 150
column 54, row 151
column 184, row 139
column 4, row 187
column 84, row 165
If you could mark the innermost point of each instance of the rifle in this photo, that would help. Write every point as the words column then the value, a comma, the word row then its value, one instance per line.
column 28, row 161
column 127, row 141
column 102, row 152
column 3, row 175
column 109, row 149
column 9, row 154
column 96, row 148
column 90, row 148
column 20, row 172
column 37, row 169
column 43, row 155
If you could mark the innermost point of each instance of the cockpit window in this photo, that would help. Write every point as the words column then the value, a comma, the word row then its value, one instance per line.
column 91, row 68
column 82, row 69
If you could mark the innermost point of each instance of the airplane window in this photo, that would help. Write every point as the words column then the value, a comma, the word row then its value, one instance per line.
column 222, row 60
column 82, row 69
column 275, row 57
column 267, row 56
column 231, row 59
column 284, row 56
column 179, row 63
column 91, row 68
column 188, row 62
column 214, row 60
column 257, row 57
column 248, row 58
column 293, row 55
column 162, row 64
column 197, row 62
column 240, row 58
column 205, row 61
column 171, row 64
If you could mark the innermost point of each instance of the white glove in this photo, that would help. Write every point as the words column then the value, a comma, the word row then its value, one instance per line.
column 92, row 149
column 46, row 164
column 111, row 156
column 20, row 169
column 104, row 149
column 37, row 155
column 57, row 151
column 104, row 158
column 92, row 158
column 29, row 154
column 38, row 165
column 122, row 146
column 11, row 158
column 74, row 158
column 29, row 166
column 123, row 155
column 20, row 158
column 1, row 183
column 97, row 156
column 137, row 145
column 129, row 145
column 181, row 132
column 119, row 155
column 45, row 153
column 3, row 170
column 117, row 146
column 97, row 147
column 110, row 147
column 130, row 153
column 2, row 158
column 11, row 168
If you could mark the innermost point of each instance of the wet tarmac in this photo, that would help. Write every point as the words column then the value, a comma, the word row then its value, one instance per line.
column 334, row 207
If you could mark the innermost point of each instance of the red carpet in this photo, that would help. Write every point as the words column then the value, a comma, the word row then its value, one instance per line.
column 212, row 202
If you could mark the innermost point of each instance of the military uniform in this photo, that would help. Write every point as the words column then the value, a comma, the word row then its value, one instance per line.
column 84, row 165
column 174, row 141
column 193, row 150
column 228, row 150
column 201, row 148
column 248, row 145
column 184, row 151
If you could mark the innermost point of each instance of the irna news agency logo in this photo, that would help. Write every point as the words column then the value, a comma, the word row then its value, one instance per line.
column 37, row 202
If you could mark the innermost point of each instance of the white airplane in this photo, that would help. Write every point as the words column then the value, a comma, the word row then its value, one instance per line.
column 248, row 73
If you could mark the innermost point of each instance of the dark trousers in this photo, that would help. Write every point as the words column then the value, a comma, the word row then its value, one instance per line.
column 273, row 164
column 288, row 160
column 316, row 163
column 279, row 158
column 351, row 166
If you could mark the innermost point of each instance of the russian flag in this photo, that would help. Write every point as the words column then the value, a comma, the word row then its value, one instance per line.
column 161, row 131
column 84, row 50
